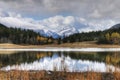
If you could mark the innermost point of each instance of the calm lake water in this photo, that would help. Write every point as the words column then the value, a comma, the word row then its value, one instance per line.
column 60, row 61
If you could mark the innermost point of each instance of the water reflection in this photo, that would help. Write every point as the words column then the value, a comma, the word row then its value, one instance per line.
column 69, row 61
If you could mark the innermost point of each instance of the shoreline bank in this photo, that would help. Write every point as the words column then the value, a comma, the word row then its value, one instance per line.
column 87, row 44
column 57, row 75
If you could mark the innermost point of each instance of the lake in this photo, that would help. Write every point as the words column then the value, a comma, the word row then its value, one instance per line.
column 70, row 61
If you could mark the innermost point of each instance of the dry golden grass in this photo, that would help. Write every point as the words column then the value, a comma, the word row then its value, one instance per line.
column 86, row 44
column 49, row 75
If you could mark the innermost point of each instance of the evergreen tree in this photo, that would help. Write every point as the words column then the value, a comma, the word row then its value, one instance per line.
column 20, row 36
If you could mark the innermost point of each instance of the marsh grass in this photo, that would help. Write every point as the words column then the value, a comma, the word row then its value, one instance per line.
column 57, row 75
column 61, row 73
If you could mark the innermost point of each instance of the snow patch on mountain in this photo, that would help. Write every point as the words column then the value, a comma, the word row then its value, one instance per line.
column 67, row 31
column 57, row 25
column 48, row 33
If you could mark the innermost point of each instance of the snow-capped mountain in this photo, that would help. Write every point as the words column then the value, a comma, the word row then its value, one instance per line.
column 66, row 31
column 48, row 33
column 56, row 26
column 61, row 32
column 52, row 34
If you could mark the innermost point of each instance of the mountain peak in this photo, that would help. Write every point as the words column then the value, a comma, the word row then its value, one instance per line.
column 115, row 26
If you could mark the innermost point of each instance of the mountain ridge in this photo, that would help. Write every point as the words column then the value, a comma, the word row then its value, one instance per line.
column 22, row 36
column 116, row 26
column 64, row 31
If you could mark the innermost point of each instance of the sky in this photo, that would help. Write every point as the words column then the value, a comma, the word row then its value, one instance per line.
column 83, row 15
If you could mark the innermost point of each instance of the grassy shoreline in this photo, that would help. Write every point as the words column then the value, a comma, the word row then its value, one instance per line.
column 57, row 75
column 87, row 44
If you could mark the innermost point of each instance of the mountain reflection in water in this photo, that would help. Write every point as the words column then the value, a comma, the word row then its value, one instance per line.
column 69, row 61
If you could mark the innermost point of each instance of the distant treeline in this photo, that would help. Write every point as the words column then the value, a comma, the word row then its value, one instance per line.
column 84, row 36
column 110, row 36
column 25, row 36
column 22, row 36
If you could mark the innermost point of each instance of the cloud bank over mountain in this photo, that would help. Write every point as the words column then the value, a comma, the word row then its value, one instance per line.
column 60, row 15
column 85, row 8
column 55, row 23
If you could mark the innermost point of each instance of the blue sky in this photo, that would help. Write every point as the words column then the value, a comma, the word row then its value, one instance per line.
column 34, row 14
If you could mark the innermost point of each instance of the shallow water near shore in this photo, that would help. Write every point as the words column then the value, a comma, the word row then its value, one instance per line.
column 63, row 49
column 70, row 61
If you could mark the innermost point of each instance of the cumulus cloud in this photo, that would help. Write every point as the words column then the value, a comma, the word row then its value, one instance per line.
column 56, row 23
column 85, row 8
column 57, row 15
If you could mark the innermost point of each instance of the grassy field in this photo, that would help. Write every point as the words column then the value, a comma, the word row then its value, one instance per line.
column 87, row 44
column 49, row 75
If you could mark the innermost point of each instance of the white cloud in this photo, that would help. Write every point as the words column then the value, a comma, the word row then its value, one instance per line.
column 16, row 20
column 95, row 14
column 12, row 14
column 84, row 8
column 57, row 23
column 85, row 15
column 69, row 20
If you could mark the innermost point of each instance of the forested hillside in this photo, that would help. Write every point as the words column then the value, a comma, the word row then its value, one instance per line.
column 110, row 36
column 85, row 36
column 21, row 36
column 25, row 36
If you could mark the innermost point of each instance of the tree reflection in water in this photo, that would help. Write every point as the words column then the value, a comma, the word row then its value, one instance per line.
column 17, row 58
